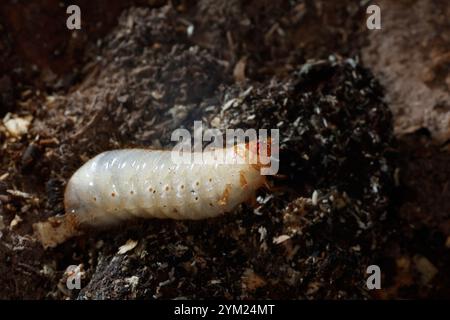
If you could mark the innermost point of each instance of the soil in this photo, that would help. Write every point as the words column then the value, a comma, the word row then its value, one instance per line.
column 411, row 56
column 364, row 155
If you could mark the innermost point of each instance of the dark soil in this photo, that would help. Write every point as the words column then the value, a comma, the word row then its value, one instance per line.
column 143, row 69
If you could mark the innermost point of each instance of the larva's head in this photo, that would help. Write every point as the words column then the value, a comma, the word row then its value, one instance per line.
column 256, row 153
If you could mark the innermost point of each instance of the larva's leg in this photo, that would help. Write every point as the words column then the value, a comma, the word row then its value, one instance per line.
column 252, row 201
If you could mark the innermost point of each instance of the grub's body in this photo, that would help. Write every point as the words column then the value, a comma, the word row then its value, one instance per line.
column 121, row 184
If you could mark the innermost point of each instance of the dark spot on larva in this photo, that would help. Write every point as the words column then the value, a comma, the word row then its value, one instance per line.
column 113, row 194
column 196, row 198
column 131, row 192
column 95, row 199
column 154, row 191
column 182, row 186
column 210, row 204
column 210, row 180
column 175, row 210
column 167, row 188
column 197, row 183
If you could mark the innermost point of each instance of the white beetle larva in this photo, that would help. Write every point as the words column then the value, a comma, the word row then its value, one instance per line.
column 123, row 184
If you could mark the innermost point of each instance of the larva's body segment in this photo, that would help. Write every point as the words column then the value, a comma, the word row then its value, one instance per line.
column 143, row 183
column 123, row 184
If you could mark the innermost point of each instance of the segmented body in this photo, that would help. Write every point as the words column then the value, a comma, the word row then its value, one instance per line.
column 121, row 184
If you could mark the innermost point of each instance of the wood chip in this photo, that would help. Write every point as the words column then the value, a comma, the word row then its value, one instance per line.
column 251, row 280
column 17, row 126
column 2, row 223
column 281, row 239
column 128, row 246
column 239, row 70
column 19, row 194
column 426, row 268
column 15, row 222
